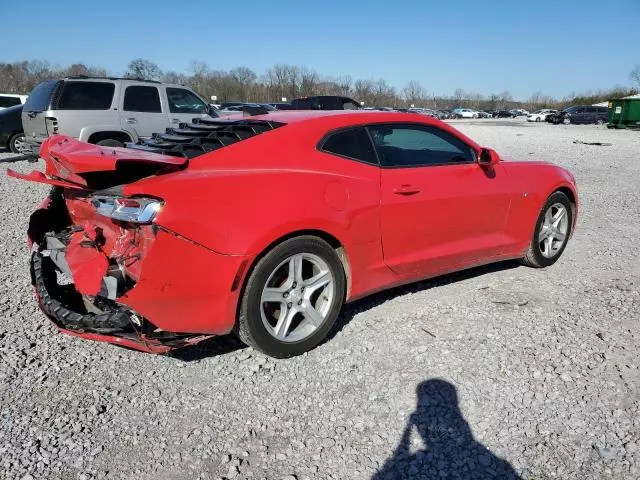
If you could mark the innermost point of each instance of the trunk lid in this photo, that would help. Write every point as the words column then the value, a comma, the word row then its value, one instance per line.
column 74, row 164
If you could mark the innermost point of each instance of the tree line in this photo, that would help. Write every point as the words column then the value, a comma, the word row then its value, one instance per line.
column 292, row 81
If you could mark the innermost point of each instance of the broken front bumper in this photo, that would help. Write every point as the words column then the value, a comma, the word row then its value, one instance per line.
column 143, row 287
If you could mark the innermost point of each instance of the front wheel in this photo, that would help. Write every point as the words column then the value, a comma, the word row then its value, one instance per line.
column 566, row 120
column 551, row 233
column 292, row 297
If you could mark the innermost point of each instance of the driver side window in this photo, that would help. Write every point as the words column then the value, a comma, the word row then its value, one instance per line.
column 402, row 146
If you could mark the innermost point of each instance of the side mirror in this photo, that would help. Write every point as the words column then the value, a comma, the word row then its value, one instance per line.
column 488, row 157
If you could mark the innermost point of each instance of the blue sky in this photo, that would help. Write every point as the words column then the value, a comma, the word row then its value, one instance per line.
column 555, row 47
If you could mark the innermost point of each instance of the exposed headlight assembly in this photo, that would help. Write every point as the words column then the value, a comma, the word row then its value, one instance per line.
column 135, row 210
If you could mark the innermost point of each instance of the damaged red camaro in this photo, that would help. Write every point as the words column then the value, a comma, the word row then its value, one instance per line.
column 266, row 225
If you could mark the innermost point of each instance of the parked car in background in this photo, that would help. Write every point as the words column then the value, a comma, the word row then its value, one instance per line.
column 466, row 113
column 281, row 106
column 482, row 114
column 107, row 111
column 540, row 115
column 266, row 226
column 425, row 111
column 11, row 100
column 325, row 102
column 503, row 114
column 11, row 133
column 580, row 114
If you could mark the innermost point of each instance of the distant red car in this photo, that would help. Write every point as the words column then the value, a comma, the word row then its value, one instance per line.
column 266, row 225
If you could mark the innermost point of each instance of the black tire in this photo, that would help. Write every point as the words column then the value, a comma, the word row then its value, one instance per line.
column 110, row 142
column 250, row 328
column 534, row 257
column 566, row 120
column 14, row 142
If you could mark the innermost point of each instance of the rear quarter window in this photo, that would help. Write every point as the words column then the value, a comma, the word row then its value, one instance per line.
column 86, row 96
column 353, row 143
column 41, row 96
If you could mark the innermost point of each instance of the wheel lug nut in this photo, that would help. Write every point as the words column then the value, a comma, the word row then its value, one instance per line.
column 285, row 294
column 294, row 285
column 299, row 302
column 289, row 305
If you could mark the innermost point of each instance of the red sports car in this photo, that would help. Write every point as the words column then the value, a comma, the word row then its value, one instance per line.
column 266, row 225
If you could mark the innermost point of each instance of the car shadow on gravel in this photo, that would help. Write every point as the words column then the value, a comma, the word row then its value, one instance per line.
column 229, row 343
column 350, row 310
column 443, row 444
column 208, row 348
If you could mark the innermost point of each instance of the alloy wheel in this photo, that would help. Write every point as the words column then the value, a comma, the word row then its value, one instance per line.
column 19, row 144
column 297, row 297
column 553, row 231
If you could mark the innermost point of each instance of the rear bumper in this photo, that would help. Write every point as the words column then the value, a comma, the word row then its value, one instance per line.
column 181, row 292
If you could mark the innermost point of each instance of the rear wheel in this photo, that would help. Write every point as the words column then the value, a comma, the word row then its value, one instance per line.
column 600, row 122
column 566, row 120
column 292, row 298
column 538, row 119
column 551, row 233
column 109, row 142
column 17, row 143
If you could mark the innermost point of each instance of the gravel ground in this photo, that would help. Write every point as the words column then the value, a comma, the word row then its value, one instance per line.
column 499, row 370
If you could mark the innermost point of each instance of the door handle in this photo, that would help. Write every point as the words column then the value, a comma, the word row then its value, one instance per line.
column 406, row 190
column 131, row 120
column 175, row 120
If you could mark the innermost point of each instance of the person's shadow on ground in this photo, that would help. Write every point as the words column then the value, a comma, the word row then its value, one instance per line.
column 449, row 449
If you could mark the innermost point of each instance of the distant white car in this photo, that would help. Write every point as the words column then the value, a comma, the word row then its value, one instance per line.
column 11, row 100
column 540, row 115
column 466, row 113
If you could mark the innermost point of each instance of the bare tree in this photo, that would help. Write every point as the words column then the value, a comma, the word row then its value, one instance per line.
column 142, row 68
column 458, row 96
column 414, row 93
column 635, row 75
column 244, row 78
column 308, row 82
column 343, row 83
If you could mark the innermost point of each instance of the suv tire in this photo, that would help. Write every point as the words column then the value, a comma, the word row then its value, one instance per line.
column 16, row 143
column 109, row 142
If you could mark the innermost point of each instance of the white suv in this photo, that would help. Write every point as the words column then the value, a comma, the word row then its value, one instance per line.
column 107, row 111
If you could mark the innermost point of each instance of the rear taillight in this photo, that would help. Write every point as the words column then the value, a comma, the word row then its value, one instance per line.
column 135, row 210
column 52, row 125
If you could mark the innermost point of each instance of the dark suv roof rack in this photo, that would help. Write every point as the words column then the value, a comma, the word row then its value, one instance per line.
column 84, row 77
column 202, row 136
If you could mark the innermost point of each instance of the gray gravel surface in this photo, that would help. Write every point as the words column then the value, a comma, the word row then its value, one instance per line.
column 502, row 370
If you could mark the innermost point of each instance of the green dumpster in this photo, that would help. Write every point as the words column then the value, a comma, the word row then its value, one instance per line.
column 624, row 113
